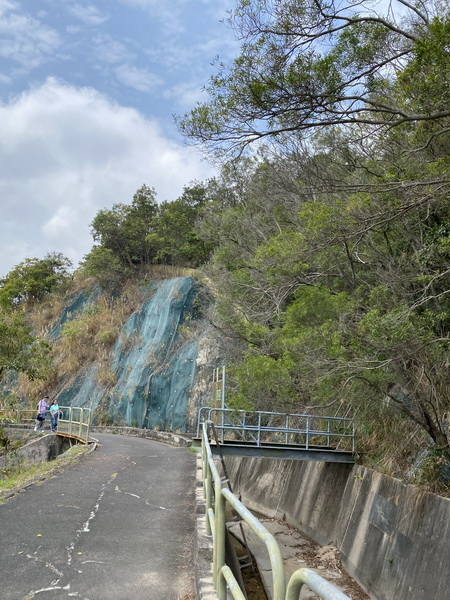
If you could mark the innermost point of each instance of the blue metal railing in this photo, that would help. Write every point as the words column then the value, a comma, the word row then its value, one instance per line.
column 285, row 429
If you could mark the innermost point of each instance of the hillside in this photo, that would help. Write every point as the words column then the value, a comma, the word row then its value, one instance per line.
column 137, row 359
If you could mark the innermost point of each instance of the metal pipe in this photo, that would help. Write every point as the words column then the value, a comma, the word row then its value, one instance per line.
column 227, row 574
column 315, row 582
column 273, row 549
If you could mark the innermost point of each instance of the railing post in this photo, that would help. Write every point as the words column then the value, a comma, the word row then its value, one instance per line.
column 218, row 534
column 208, row 495
column 307, row 432
column 259, row 429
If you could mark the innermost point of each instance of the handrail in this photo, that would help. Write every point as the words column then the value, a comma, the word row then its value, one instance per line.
column 216, row 526
column 257, row 427
column 74, row 420
column 16, row 415
column 315, row 582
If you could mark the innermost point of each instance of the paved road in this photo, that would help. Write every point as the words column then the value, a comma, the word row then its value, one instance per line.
column 118, row 525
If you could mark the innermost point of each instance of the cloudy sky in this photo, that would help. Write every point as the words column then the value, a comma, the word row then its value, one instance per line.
column 88, row 89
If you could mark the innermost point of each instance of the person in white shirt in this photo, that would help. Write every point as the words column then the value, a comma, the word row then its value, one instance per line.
column 42, row 407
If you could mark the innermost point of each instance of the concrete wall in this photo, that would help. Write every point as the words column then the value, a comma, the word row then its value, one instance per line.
column 43, row 449
column 394, row 539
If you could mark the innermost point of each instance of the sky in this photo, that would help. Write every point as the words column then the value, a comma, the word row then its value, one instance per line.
column 88, row 90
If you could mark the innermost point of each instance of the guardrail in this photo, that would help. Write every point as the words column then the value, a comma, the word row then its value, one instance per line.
column 217, row 497
column 17, row 415
column 264, row 427
column 74, row 421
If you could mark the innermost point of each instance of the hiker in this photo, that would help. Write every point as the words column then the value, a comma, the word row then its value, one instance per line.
column 54, row 414
column 42, row 407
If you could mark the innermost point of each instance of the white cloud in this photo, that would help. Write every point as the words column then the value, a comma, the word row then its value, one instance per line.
column 88, row 14
column 185, row 95
column 25, row 39
column 139, row 79
column 7, row 5
column 166, row 12
column 109, row 50
column 66, row 153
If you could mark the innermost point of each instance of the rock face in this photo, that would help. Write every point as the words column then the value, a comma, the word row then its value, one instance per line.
column 155, row 367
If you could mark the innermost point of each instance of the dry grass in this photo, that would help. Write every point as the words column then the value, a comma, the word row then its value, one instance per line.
column 167, row 271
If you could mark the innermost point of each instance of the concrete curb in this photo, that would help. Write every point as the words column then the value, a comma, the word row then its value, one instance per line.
column 174, row 439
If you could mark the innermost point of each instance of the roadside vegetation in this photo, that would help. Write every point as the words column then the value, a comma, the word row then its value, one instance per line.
column 325, row 238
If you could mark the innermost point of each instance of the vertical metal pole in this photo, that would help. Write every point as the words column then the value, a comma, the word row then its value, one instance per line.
column 88, row 423
column 259, row 429
column 286, row 438
column 208, row 494
column 307, row 432
column 223, row 401
column 220, row 542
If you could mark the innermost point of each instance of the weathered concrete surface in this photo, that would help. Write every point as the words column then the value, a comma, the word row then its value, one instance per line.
column 393, row 538
column 117, row 525
column 44, row 448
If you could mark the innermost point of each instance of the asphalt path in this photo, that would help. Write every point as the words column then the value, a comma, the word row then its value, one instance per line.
column 117, row 525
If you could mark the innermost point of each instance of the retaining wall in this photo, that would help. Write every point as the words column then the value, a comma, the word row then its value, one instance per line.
column 394, row 539
column 43, row 449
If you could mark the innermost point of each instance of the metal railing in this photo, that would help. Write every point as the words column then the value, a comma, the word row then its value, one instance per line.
column 217, row 497
column 17, row 415
column 264, row 427
column 74, row 421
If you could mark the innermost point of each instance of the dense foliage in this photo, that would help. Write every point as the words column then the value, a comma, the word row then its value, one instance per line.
column 144, row 233
column 33, row 279
column 21, row 351
column 332, row 248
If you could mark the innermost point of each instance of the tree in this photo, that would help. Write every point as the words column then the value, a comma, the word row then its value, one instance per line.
column 340, row 290
column 309, row 64
column 20, row 351
column 123, row 228
column 33, row 278
column 174, row 230
column 106, row 267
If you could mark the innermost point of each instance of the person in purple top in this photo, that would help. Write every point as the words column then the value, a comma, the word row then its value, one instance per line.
column 42, row 407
